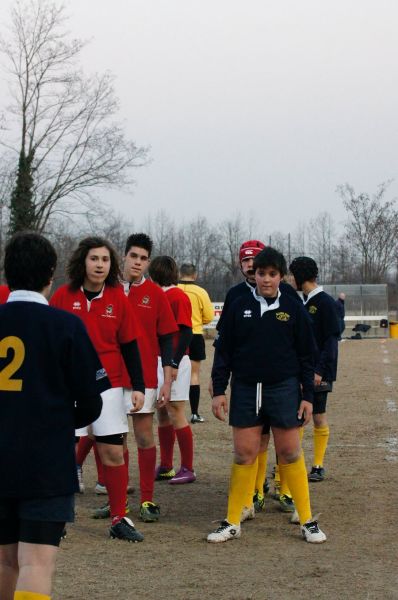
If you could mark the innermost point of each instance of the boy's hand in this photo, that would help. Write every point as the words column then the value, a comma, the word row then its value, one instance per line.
column 137, row 401
column 164, row 394
column 219, row 407
column 305, row 411
column 317, row 379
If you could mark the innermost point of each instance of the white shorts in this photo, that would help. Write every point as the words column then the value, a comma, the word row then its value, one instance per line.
column 180, row 387
column 149, row 401
column 113, row 418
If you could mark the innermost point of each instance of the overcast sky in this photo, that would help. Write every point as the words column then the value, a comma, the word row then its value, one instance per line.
column 260, row 107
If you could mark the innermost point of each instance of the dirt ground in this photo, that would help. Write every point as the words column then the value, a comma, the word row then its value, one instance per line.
column 358, row 502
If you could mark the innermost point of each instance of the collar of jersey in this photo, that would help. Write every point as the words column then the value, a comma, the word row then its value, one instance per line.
column 138, row 283
column 165, row 288
column 264, row 306
column 314, row 292
column 101, row 293
column 27, row 296
column 127, row 285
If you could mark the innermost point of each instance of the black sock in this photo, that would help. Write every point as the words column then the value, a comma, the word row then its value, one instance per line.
column 194, row 395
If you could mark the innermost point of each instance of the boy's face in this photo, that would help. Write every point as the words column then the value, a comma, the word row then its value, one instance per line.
column 98, row 265
column 246, row 266
column 136, row 263
column 267, row 281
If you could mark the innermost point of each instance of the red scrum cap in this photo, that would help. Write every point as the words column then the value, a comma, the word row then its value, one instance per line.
column 250, row 249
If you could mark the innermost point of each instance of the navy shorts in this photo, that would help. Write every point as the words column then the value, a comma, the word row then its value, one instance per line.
column 278, row 406
column 319, row 405
column 197, row 348
column 35, row 520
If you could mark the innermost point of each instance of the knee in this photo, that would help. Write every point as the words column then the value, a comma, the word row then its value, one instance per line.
column 112, row 456
column 245, row 456
column 143, row 431
column 320, row 420
column 288, row 455
column 177, row 414
column 144, row 438
column 163, row 417
column 9, row 561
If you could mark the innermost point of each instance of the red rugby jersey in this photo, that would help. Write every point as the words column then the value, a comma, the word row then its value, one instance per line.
column 153, row 312
column 109, row 321
column 4, row 293
column 182, row 310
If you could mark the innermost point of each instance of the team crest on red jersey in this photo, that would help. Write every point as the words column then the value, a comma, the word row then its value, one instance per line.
column 145, row 300
column 109, row 310
column 77, row 306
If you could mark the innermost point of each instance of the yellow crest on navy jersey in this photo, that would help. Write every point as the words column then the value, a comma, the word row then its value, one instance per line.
column 282, row 316
column 312, row 309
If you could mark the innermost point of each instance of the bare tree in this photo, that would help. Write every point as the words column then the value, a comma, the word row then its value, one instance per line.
column 345, row 266
column 372, row 230
column 232, row 234
column 279, row 241
column 298, row 240
column 320, row 242
column 68, row 143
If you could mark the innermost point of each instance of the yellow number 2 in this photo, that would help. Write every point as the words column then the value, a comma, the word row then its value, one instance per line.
column 16, row 344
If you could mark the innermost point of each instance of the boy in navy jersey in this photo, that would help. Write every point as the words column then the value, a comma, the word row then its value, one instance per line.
column 322, row 310
column 266, row 343
column 50, row 383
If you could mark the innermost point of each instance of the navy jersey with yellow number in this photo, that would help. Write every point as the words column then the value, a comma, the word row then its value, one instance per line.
column 50, row 381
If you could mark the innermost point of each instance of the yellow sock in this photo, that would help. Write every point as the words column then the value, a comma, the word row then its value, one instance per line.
column 250, row 491
column 296, row 477
column 242, row 480
column 284, row 489
column 30, row 596
column 321, row 438
column 277, row 477
column 261, row 472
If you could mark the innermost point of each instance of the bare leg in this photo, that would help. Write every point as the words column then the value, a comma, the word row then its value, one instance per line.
column 36, row 567
column 8, row 570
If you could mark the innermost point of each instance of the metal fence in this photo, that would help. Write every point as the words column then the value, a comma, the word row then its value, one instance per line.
column 364, row 304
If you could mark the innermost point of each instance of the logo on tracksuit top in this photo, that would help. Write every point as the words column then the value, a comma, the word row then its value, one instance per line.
column 312, row 309
column 282, row 316
column 247, row 313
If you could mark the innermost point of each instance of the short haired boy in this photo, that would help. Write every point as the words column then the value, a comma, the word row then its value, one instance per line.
column 266, row 343
column 322, row 311
column 153, row 312
column 50, row 383
column 171, row 417
column 202, row 313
